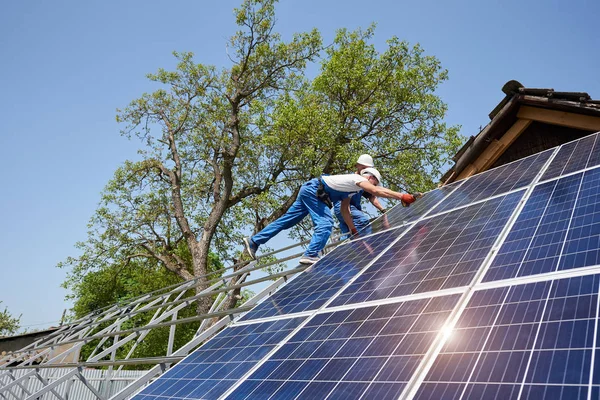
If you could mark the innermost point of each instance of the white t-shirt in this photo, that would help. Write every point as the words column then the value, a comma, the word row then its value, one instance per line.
column 344, row 183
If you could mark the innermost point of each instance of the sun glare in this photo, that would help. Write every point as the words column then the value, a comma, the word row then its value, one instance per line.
column 447, row 331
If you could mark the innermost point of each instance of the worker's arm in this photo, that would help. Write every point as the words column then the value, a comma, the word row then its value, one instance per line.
column 375, row 201
column 385, row 193
column 345, row 209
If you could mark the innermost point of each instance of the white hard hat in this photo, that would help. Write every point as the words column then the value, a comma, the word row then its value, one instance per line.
column 365, row 160
column 372, row 171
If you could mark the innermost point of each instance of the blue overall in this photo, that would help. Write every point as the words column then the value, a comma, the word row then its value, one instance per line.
column 359, row 218
column 306, row 203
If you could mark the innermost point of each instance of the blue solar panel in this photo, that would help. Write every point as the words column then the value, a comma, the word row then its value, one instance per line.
column 536, row 243
column 595, row 154
column 536, row 340
column 211, row 370
column 574, row 156
column 370, row 352
column 496, row 181
column 437, row 253
column 527, row 340
column 399, row 215
column 318, row 284
column 582, row 247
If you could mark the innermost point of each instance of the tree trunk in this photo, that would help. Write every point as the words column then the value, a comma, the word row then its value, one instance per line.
column 200, row 257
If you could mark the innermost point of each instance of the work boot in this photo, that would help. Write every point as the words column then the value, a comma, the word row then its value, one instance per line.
column 251, row 247
column 308, row 260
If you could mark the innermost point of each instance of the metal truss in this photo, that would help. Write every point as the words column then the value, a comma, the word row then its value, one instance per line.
column 115, row 327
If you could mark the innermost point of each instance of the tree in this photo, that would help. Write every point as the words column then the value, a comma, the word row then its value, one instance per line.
column 201, row 155
column 117, row 284
column 9, row 325
column 225, row 152
column 366, row 101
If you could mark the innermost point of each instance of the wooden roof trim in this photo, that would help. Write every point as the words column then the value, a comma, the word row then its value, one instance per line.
column 495, row 149
column 562, row 118
column 571, row 109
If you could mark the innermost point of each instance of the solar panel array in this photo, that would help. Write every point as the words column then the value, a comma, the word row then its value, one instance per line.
column 485, row 288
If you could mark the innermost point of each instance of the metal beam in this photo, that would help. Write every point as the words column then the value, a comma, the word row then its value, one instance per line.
column 49, row 387
column 185, row 349
column 89, row 385
column 131, row 361
column 16, row 382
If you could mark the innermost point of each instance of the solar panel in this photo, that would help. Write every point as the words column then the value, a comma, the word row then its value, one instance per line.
column 496, row 181
column 437, row 253
column 558, row 229
column 535, row 242
column 512, row 259
column 369, row 351
column 582, row 247
column 320, row 282
column 217, row 365
column 574, row 156
column 529, row 341
column 399, row 216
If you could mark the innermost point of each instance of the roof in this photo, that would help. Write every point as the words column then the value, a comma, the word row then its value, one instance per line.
column 29, row 334
column 504, row 115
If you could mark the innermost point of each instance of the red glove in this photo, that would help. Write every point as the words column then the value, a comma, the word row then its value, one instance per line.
column 354, row 231
column 407, row 199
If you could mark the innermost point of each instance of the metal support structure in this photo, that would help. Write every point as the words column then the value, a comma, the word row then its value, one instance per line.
column 171, row 335
column 109, row 372
column 198, row 339
column 49, row 387
column 68, row 388
column 166, row 305
column 90, row 386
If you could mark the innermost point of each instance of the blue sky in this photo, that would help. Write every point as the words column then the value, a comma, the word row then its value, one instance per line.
column 67, row 65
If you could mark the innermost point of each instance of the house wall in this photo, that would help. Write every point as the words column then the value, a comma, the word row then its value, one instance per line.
column 538, row 137
column 13, row 343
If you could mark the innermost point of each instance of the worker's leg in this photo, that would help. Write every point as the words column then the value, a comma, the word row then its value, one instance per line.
column 361, row 221
column 292, row 217
column 322, row 221
column 338, row 214
column 344, row 230
column 359, row 218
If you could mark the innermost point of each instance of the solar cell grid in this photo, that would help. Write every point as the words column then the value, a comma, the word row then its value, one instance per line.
column 582, row 247
column 537, row 338
column 442, row 252
column 574, row 156
column 535, row 241
column 370, row 352
column 212, row 369
column 496, row 181
column 595, row 155
column 558, row 229
column 315, row 286
column 399, row 215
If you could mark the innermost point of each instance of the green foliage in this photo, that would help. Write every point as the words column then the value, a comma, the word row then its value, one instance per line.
column 223, row 151
column 9, row 325
column 364, row 101
column 116, row 284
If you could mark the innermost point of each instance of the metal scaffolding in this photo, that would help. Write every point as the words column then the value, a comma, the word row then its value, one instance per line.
column 112, row 328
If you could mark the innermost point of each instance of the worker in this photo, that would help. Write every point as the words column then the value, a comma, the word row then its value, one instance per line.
column 316, row 197
column 360, row 219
